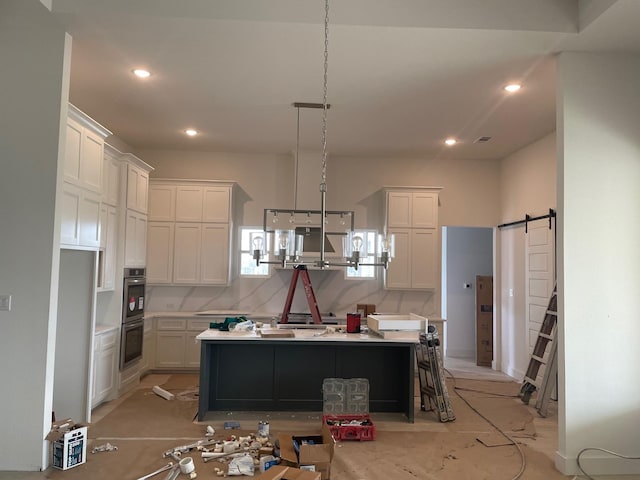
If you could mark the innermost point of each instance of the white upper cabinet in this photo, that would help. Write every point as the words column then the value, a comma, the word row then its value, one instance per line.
column 407, row 209
column 137, row 192
column 189, row 232
column 137, row 187
column 111, row 176
column 412, row 216
column 162, row 203
column 216, row 202
column 83, row 181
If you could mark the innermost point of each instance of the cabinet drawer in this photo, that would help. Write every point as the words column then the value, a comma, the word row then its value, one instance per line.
column 171, row 324
column 198, row 325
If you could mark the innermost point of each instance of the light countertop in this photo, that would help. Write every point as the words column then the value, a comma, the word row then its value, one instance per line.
column 307, row 334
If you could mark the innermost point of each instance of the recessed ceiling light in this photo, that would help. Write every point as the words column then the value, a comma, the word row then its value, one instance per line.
column 512, row 87
column 191, row 132
column 450, row 141
column 141, row 73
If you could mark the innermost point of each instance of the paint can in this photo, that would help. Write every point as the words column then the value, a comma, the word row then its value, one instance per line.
column 263, row 428
column 353, row 323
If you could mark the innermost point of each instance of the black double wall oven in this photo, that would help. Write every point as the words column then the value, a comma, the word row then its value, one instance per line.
column 132, row 316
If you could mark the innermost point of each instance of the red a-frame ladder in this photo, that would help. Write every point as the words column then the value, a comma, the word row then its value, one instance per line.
column 301, row 270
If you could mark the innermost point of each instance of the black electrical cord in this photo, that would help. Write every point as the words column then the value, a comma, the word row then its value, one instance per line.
column 600, row 450
column 523, row 462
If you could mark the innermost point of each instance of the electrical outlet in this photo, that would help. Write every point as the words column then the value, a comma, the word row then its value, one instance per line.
column 5, row 302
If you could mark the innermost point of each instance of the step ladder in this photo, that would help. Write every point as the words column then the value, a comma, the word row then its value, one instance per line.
column 433, row 389
column 301, row 271
column 546, row 342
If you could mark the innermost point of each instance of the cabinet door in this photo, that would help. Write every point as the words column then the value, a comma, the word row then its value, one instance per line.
column 141, row 240
column 398, row 273
column 399, row 209
column 105, row 373
column 424, row 249
column 192, row 350
column 135, row 246
column 170, row 349
column 89, row 219
column 188, row 204
column 137, row 188
column 142, row 191
column 111, row 249
column 72, row 152
column 110, row 180
column 162, row 203
column 215, row 254
column 91, row 161
column 215, row 203
column 424, row 210
column 160, row 252
column 70, row 225
column 186, row 255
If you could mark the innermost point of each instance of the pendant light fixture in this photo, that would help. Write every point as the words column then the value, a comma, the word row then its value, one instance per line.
column 288, row 243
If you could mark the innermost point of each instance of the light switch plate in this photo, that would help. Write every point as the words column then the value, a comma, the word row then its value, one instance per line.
column 5, row 302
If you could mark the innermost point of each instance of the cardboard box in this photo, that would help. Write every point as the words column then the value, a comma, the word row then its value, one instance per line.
column 365, row 309
column 318, row 455
column 69, row 444
column 288, row 473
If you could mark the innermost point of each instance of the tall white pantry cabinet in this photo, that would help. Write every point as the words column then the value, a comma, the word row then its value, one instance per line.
column 412, row 217
column 189, row 232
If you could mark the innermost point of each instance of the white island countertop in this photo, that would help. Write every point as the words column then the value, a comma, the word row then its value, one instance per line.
column 307, row 335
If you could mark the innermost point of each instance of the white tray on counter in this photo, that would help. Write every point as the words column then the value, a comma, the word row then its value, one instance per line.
column 397, row 325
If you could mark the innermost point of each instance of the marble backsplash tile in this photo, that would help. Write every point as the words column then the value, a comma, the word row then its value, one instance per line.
column 333, row 292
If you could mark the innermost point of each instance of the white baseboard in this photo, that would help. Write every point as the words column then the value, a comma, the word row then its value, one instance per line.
column 597, row 463
column 515, row 373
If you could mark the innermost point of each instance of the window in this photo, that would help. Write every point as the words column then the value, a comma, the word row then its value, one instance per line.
column 365, row 271
column 248, row 266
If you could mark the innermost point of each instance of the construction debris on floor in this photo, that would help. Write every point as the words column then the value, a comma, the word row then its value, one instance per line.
column 255, row 453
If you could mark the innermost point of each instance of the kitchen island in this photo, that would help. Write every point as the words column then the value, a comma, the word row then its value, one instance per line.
column 243, row 371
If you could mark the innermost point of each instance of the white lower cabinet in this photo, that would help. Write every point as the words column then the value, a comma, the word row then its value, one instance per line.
column 176, row 344
column 104, row 366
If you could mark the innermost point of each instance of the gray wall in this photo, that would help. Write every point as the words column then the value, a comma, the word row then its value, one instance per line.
column 33, row 97
column 469, row 252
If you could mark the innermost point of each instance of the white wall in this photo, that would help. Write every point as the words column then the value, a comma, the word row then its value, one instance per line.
column 33, row 93
column 598, row 238
column 469, row 253
column 470, row 197
column 528, row 186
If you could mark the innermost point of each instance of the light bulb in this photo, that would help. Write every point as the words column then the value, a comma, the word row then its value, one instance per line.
column 342, row 221
column 357, row 243
column 275, row 217
column 292, row 219
column 308, row 217
column 257, row 243
column 283, row 240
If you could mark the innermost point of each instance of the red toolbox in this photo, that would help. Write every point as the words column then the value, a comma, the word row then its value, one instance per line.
column 346, row 409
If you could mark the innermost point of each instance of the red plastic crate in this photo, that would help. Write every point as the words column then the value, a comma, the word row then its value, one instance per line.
column 341, row 431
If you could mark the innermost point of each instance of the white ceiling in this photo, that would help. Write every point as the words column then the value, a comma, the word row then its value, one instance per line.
column 403, row 74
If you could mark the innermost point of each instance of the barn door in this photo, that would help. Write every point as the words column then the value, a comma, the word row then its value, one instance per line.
column 540, row 272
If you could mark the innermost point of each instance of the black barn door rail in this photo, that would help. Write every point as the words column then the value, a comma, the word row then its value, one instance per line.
column 528, row 218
